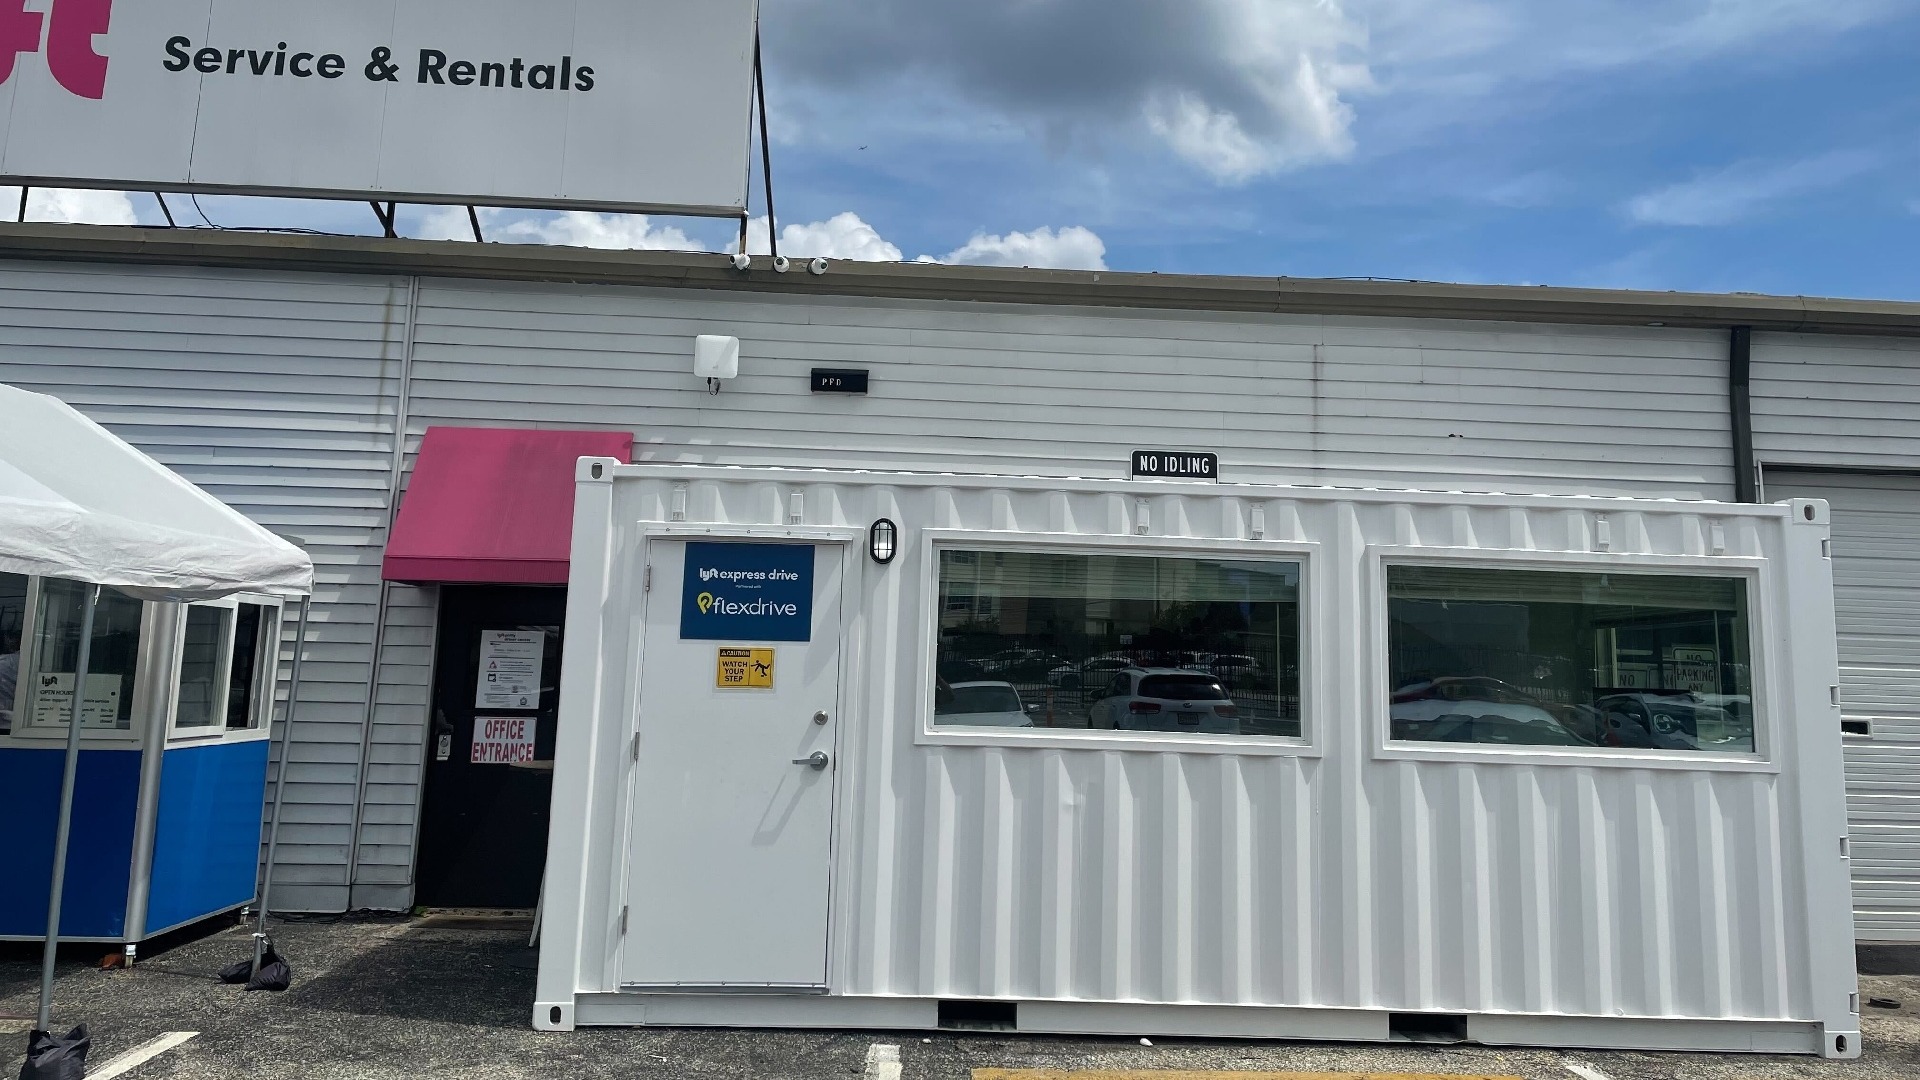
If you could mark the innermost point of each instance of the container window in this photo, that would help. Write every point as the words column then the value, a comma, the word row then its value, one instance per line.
column 201, row 703
column 1559, row 659
column 108, row 700
column 1118, row 643
column 13, row 627
column 256, row 640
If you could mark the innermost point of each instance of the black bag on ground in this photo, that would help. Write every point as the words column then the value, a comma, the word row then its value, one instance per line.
column 274, row 973
column 57, row 1057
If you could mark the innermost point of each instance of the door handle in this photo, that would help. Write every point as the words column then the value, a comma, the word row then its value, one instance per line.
column 818, row 759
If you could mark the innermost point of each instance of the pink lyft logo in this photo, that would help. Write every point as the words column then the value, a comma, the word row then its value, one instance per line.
column 70, row 55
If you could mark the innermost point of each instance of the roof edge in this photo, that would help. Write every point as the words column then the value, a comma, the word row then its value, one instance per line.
column 936, row 282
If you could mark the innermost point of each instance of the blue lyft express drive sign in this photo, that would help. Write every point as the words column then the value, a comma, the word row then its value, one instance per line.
column 747, row 592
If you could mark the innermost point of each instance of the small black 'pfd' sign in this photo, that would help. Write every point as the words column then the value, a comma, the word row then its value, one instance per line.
column 1178, row 464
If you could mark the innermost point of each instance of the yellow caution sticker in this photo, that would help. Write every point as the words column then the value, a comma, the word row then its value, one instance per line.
column 744, row 669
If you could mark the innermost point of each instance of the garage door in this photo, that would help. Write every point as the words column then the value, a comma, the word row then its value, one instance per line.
column 1876, row 578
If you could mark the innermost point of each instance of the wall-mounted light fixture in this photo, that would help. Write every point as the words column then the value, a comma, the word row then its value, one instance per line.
column 883, row 541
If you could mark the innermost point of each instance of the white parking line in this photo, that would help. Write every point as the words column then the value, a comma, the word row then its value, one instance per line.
column 883, row 1062
column 140, row 1055
column 1583, row 1072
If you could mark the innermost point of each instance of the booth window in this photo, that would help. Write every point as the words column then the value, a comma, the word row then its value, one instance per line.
column 107, row 701
column 202, row 683
column 13, row 624
column 256, row 641
column 1570, row 659
column 1118, row 643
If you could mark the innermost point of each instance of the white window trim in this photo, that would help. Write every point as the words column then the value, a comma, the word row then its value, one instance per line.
column 1761, row 612
column 266, row 668
column 1313, row 634
column 24, row 729
column 222, row 673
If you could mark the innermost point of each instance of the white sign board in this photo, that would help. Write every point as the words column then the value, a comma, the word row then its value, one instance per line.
column 511, row 664
column 502, row 740
column 609, row 104
column 53, row 700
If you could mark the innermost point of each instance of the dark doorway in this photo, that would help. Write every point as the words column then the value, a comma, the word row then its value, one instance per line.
column 489, row 769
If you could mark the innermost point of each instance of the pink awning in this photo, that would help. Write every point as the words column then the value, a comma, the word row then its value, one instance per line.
column 493, row 506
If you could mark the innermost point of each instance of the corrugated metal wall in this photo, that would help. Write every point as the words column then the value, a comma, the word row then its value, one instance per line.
column 1854, row 404
column 279, row 392
column 1876, row 579
column 1335, row 878
column 276, row 393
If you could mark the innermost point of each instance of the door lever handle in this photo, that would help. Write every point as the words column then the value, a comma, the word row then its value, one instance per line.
column 818, row 759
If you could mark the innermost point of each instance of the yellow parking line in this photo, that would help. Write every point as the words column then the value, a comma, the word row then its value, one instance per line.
column 1197, row 1074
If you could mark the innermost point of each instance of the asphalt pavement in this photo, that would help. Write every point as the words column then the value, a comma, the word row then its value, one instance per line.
column 375, row 998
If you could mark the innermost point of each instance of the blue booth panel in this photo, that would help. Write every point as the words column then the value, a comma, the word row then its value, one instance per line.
column 99, row 856
column 206, row 844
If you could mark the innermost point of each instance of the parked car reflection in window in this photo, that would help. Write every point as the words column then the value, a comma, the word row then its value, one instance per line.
column 1554, row 658
column 1118, row 643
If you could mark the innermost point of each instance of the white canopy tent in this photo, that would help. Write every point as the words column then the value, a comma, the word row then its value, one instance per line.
column 79, row 503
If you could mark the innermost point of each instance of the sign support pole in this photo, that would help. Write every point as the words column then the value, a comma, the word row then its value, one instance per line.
column 766, row 148
column 280, row 785
column 62, row 832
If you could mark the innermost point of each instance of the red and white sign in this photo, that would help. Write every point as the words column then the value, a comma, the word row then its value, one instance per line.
column 502, row 740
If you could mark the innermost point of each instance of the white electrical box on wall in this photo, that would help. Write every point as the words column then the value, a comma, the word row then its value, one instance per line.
column 716, row 357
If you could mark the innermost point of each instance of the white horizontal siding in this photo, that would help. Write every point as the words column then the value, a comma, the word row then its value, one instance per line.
column 275, row 393
column 1026, row 391
column 1836, row 401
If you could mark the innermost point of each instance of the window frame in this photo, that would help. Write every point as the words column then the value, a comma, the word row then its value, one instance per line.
column 261, row 692
column 1313, row 634
column 1761, row 612
column 222, row 672
column 25, row 729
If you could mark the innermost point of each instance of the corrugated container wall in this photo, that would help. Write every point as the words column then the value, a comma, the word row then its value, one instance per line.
column 1347, row 873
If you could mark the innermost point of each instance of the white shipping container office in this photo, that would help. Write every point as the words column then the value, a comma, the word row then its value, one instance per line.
column 1369, row 839
column 297, row 377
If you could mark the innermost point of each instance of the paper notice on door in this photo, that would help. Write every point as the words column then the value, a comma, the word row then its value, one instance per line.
column 744, row 669
column 502, row 740
column 53, row 700
column 511, row 666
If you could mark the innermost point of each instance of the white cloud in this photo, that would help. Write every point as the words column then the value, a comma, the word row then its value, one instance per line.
column 842, row 236
column 1745, row 189
column 1427, row 55
column 1239, row 88
column 1072, row 248
column 573, row 228
column 70, row 205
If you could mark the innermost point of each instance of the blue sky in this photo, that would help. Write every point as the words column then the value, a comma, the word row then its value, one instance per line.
column 1712, row 145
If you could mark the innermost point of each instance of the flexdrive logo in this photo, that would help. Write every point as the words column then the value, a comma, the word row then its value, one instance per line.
column 720, row 605
column 68, row 31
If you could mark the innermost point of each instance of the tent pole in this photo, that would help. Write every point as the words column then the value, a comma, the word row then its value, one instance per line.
column 280, row 784
column 66, row 811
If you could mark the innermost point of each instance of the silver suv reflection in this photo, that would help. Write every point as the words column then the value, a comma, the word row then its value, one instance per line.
column 1165, row 699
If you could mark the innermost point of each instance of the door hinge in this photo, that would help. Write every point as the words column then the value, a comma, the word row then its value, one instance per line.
column 623, row 920
column 636, row 746
column 646, row 580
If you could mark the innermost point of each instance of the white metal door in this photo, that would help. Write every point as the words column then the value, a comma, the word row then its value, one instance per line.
column 733, row 780
column 1876, row 586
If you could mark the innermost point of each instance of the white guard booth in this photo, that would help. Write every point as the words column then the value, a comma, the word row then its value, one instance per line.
column 911, row 751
